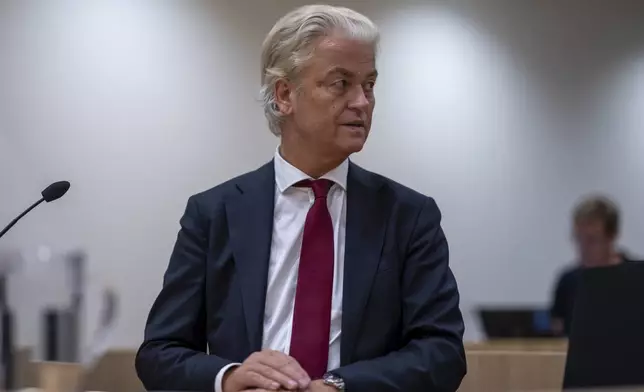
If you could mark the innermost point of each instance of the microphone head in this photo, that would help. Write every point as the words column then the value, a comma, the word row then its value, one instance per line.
column 55, row 191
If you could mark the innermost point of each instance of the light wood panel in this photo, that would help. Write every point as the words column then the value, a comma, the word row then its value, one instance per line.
column 513, row 371
column 519, row 367
column 115, row 373
column 560, row 345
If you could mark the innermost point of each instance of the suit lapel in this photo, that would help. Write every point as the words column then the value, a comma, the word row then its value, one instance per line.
column 250, row 221
column 366, row 224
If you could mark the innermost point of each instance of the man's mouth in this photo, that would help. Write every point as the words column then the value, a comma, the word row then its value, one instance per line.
column 355, row 124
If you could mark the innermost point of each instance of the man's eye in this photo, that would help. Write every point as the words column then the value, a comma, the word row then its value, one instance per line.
column 342, row 84
column 369, row 86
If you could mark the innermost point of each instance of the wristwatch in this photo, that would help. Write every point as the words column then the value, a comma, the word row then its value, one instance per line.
column 334, row 381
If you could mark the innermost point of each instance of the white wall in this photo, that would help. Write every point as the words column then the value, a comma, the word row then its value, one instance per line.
column 505, row 112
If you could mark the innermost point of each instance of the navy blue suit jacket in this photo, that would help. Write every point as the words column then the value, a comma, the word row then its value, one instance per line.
column 402, row 328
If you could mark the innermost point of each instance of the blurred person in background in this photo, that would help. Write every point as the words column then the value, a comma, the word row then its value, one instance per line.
column 309, row 273
column 596, row 225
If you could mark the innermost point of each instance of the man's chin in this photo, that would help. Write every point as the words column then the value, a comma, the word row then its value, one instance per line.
column 353, row 146
column 355, row 142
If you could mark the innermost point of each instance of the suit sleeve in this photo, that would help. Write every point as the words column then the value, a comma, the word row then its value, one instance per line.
column 173, row 354
column 432, row 358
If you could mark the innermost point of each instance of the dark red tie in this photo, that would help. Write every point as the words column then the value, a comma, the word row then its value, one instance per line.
column 312, row 314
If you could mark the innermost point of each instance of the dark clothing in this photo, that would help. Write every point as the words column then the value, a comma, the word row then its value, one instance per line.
column 402, row 329
column 565, row 292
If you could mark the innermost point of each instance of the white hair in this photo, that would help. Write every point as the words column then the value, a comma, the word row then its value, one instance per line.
column 288, row 46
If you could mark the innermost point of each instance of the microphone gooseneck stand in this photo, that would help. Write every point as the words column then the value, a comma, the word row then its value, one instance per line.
column 6, row 339
column 7, row 383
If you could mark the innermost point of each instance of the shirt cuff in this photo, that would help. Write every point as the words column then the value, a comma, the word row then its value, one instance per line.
column 220, row 377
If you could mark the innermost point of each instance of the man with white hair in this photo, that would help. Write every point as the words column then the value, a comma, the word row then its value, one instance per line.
column 310, row 273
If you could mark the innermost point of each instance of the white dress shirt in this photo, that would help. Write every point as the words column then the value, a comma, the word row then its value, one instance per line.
column 291, row 207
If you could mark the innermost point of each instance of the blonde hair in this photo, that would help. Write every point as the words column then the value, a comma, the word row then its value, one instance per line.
column 288, row 46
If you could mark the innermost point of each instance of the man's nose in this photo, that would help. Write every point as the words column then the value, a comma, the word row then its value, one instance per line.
column 359, row 99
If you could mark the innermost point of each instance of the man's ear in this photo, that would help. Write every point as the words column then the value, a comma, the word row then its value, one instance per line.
column 284, row 96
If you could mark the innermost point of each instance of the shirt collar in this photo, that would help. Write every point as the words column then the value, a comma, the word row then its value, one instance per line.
column 287, row 175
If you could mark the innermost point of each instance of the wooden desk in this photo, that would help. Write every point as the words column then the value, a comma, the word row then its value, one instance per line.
column 513, row 371
column 559, row 345
column 640, row 389
column 497, row 366
column 114, row 372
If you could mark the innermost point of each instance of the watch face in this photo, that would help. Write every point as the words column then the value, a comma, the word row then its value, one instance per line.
column 334, row 381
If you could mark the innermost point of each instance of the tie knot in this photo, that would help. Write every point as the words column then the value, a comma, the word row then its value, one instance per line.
column 320, row 187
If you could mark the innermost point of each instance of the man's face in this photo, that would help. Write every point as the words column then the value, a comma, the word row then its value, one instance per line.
column 595, row 246
column 333, row 101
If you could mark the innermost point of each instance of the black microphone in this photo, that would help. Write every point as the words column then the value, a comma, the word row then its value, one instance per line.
column 53, row 192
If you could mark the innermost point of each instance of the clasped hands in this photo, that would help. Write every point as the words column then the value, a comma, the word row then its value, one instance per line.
column 269, row 371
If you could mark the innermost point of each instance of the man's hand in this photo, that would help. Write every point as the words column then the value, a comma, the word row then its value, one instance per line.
column 320, row 386
column 266, row 370
column 315, row 386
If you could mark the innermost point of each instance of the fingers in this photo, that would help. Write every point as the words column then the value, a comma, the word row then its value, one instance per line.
column 256, row 379
column 246, row 377
column 287, row 366
column 272, row 370
column 270, row 373
column 265, row 390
